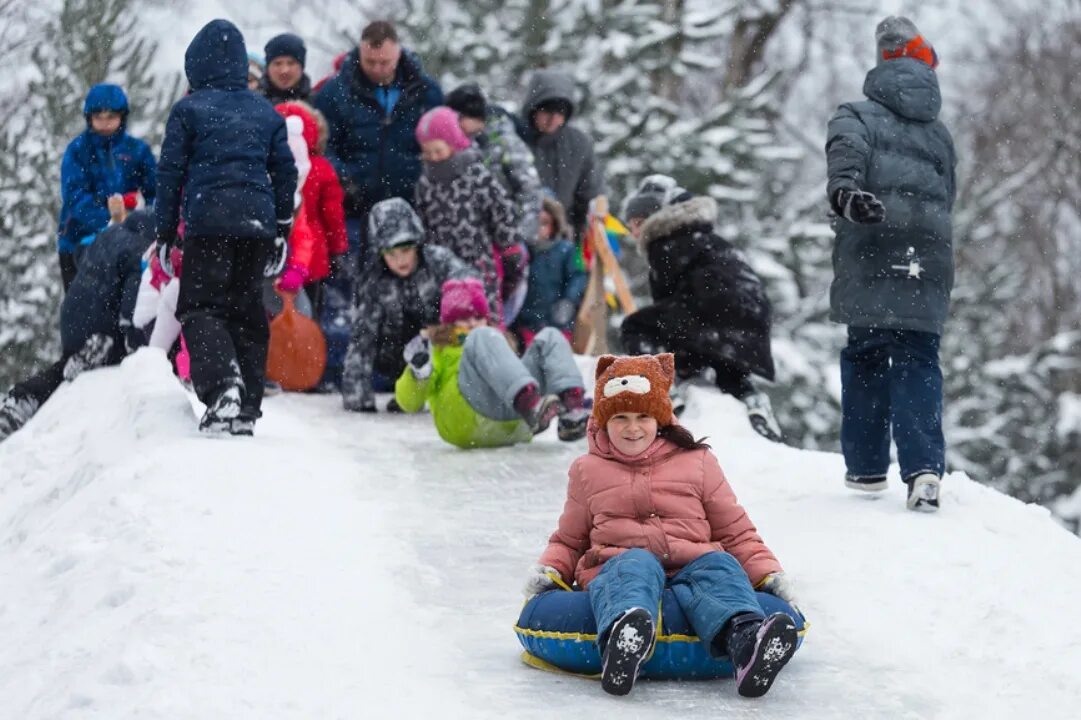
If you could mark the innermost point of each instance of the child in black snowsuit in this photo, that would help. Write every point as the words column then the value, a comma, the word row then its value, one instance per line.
column 709, row 306
column 95, row 317
column 227, row 148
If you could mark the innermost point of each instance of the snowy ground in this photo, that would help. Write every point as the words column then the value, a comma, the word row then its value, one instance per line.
column 345, row 566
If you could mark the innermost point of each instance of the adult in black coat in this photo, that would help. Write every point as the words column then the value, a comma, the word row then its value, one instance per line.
column 709, row 306
column 227, row 147
column 95, row 317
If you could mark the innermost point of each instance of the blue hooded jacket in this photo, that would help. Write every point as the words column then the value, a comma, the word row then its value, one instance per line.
column 375, row 152
column 95, row 167
column 225, row 148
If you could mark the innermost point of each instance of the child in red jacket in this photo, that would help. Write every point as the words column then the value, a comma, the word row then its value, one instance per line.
column 650, row 507
column 321, row 200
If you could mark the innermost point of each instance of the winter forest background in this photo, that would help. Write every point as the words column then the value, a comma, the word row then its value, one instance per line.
column 729, row 96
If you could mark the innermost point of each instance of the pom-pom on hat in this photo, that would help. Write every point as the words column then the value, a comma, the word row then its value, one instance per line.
column 638, row 384
column 462, row 299
column 441, row 123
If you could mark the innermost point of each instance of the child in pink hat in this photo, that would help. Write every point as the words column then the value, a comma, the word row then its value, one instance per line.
column 480, row 392
column 462, row 205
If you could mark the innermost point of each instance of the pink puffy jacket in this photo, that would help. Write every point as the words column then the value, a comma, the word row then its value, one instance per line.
column 675, row 503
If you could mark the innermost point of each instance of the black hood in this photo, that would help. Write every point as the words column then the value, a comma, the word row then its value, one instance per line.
column 217, row 58
column 907, row 86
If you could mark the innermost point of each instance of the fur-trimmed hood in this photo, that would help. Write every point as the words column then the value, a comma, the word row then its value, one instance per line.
column 699, row 210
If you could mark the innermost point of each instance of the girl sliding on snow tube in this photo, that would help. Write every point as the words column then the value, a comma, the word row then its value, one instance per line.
column 480, row 392
column 649, row 507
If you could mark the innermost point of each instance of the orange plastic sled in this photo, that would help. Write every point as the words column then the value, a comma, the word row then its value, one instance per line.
column 297, row 354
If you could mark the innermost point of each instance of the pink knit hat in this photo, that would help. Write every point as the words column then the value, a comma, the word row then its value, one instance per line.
column 462, row 299
column 441, row 123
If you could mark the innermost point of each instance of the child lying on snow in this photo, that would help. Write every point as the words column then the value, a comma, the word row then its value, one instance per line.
column 480, row 392
column 649, row 507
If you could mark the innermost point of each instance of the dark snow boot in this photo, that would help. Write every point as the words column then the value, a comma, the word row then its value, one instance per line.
column 15, row 412
column 93, row 354
column 629, row 642
column 867, row 483
column 760, row 415
column 923, row 492
column 759, row 649
column 221, row 411
column 244, row 423
column 537, row 411
column 393, row 406
column 572, row 424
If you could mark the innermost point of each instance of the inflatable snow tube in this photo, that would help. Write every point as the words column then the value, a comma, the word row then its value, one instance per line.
column 558, row 632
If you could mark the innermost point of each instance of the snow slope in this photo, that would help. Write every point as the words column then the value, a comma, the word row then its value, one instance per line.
column 344, row 566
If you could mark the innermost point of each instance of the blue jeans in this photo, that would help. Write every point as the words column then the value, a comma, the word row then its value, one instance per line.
column 890, row 379
column 711, row 590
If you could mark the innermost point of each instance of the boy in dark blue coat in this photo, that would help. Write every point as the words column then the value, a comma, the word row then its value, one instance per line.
column 95, row 317
column 101, row 162
column 226, row 148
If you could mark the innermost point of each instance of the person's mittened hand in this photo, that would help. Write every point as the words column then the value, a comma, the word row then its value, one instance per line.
column 781, row 585
column 860, row 207
column 292, row 279
column 562, row 313
column 418, row 353
column 165, row 258
column 541, row 579
column 134, row 338
column 281, row 250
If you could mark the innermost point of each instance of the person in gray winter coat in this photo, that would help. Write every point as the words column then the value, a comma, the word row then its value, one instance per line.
column 564, row 155
column 891, row 183
column 399, row 296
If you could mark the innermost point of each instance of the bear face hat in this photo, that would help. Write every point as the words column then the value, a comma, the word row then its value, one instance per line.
column 637, row 384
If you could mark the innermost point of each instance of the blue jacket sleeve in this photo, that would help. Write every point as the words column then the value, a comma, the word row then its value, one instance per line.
column 147, row 173
column 172, row 173
column 283, row 173
column 88, row 212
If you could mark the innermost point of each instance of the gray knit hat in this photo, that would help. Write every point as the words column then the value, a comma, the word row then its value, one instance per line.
column 653, row 193
column 394, row 222
column 892, row 34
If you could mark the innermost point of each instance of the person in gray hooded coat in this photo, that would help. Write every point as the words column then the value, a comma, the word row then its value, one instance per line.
column 892, row 185
column 564, row 155
column 399, row 296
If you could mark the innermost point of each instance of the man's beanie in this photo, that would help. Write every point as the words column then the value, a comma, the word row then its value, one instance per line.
column 286, row 45
column 898, row 37
column 653, row 193
column 468, row 100
column 634, row 384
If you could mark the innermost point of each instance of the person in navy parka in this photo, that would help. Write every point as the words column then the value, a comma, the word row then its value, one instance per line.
column 95, row 316
column 226, row 148
column 102, row 161
column 372, row 107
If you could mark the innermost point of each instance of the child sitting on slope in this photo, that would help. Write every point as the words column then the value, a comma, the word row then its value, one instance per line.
column 648, row 507
column 480, row 392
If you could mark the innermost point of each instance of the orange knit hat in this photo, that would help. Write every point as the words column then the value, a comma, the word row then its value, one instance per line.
column 638, row 383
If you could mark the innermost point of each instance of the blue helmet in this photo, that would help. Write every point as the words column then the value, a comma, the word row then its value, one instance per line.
column 104, row 97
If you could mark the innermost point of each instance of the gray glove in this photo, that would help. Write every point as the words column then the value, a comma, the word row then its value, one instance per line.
column 540, row 580
column 781, row 585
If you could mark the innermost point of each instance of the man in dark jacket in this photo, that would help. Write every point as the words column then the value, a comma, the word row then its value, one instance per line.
column 95, row 317
column 892, row 185
column 285, row 79
column 396, row 301
column 226, row 148
column 709, row 306
column 101, row 162
column 564, row 155
column 372, row 107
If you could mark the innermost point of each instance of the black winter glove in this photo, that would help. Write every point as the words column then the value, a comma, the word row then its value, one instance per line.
column 134, row 338
column 276, row 262
column 418, row 353
column 860, row 207
column 165, row 257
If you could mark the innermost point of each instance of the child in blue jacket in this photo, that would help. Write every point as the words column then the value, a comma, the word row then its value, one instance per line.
column 101, row 162
column 557, row 281
column 227, row 148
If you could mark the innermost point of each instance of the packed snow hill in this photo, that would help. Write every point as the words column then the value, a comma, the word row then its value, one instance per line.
column 345, row 566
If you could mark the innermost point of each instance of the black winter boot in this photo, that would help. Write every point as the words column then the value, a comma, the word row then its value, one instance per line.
column 629, row 642
column 221, row 412
column 759, row 650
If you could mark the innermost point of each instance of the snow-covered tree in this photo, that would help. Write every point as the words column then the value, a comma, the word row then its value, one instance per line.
column 85, row 42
